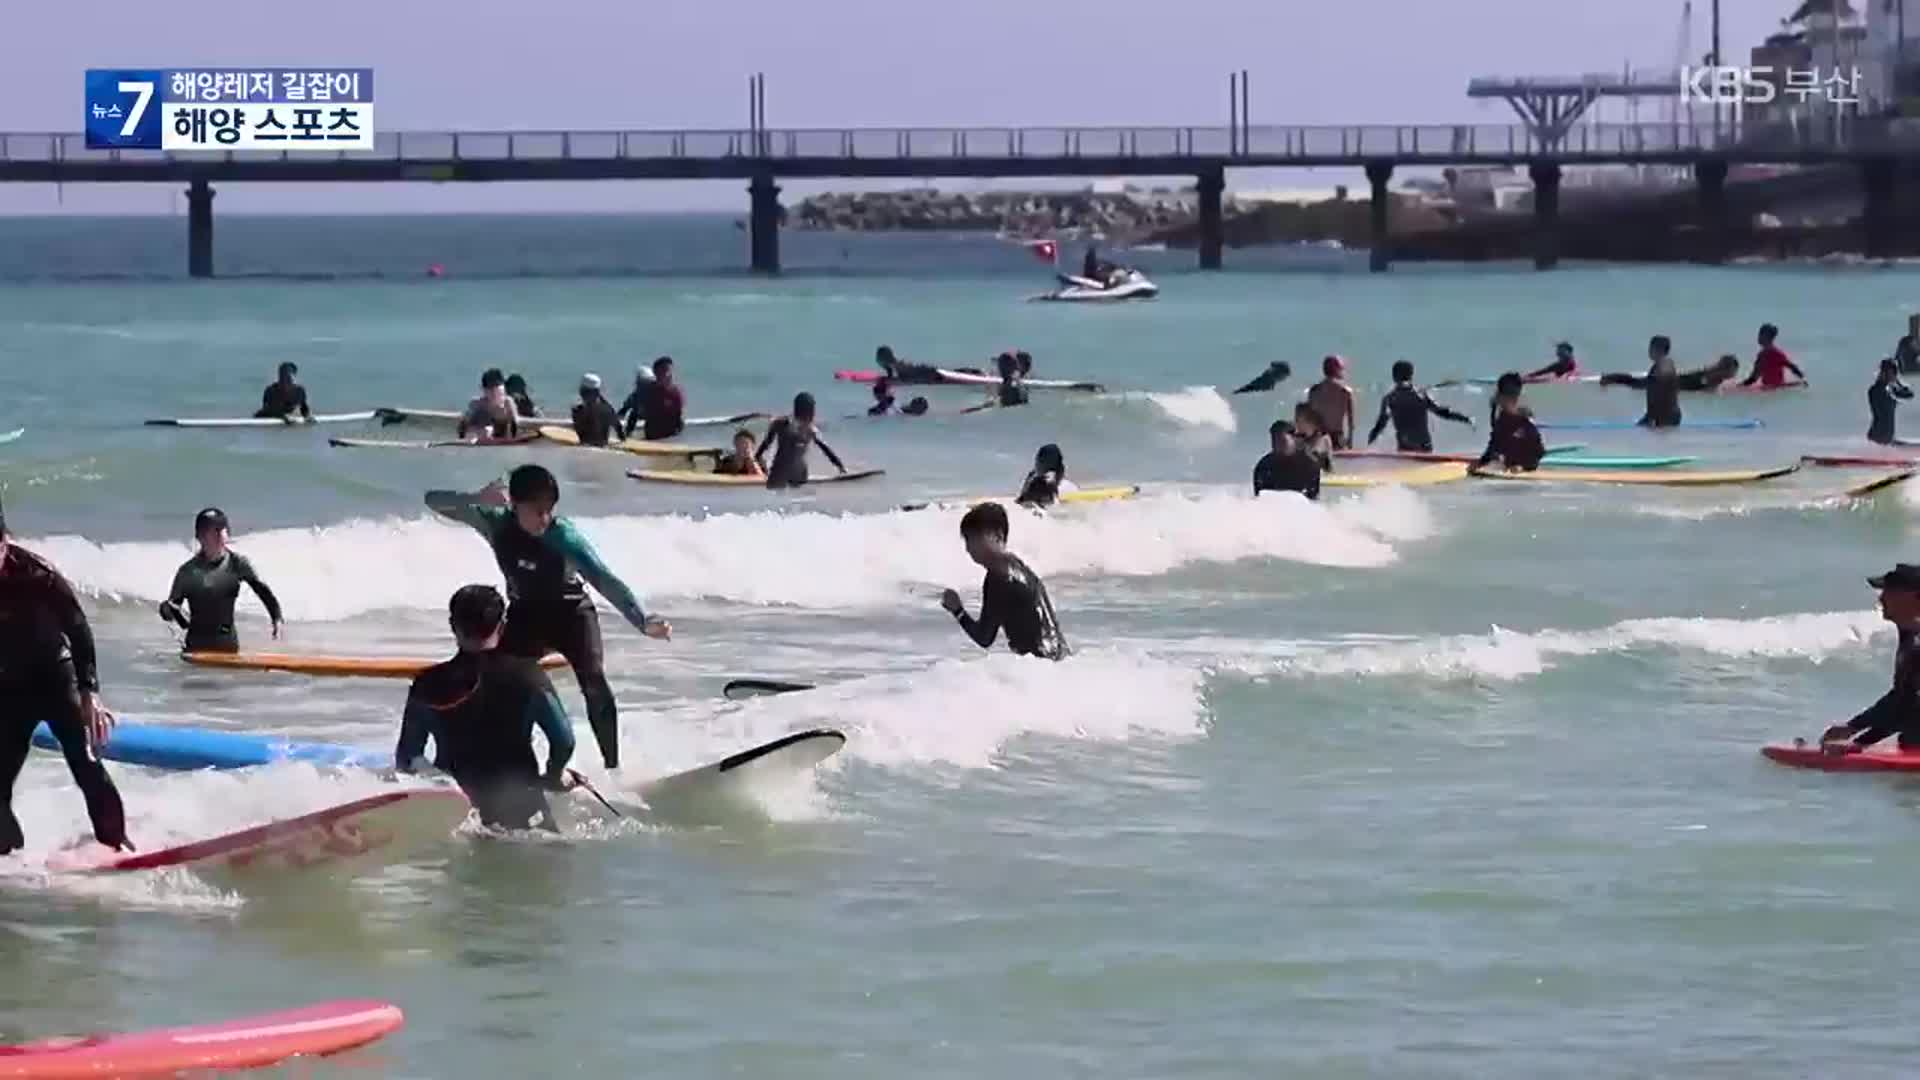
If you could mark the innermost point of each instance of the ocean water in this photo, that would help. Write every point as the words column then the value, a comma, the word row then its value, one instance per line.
column 1449, row 781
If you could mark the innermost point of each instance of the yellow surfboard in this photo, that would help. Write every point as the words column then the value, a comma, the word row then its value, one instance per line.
column 1082, row 495
column 1419, row 476
column 1660, row 478
column 707, row 479
column 1883, row 483
column 566, row 436
column 369, row 667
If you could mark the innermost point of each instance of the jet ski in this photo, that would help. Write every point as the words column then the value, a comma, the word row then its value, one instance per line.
column 1126, row 284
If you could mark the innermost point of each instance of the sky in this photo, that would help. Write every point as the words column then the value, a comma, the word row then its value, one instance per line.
column 443, row 65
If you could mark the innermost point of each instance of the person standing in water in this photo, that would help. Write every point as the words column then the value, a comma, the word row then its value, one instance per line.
column 1906, row 351
column 1012, row 596
column 523, row 405
column 49, row 672
column 1043, row 484
column 1771, row 365
column 593, row 418
column 1898, row 710
column 1564, row 365
column 1883, row 397
column 1310, row 430
column 209, row 584
column 1013, row 386
column 1661, row 382
column 283, row 397
column 492, row 415
column 657, row 406
column 1514, row 441
column 480, row 708
column 1407, row 406
column 1276, row 373
column 794, row 434
column 544, row 559
column 1288, row 466
column 1335, row 403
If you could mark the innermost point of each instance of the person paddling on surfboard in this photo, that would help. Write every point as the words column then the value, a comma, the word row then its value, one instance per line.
column 544, row 559
column 902, row 371
column 283, row 397
column 1276, row 373
column 1883, row 397
column 209, row 584
column 1407, row 406
column 1771, row 365
column 794, row 433
column 1012, row 596
column 480, row 709
column 1289, row 466
column 492, row 415
column 1564, row 365
column 1661, row 382
column 594, row 419
column 1045, row 480
column 50, row 672
column 1513, row 440
column 741, row 461
column 1898, row 710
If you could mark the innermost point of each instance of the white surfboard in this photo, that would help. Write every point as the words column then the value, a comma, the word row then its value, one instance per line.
column 723, row 791
column 12, row 436
column 264, row 421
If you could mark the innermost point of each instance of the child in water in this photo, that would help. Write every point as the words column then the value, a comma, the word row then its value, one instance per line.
column 1312, row 434
column 741, row 462
column 1043, row 485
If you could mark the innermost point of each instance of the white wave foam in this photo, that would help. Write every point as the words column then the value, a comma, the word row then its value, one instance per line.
column 1196, row 406
column 808, row 560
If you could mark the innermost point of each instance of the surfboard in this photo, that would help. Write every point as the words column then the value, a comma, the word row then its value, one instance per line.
column 1845, row 461
column 1883, row 483
column 962, row 378
column 438, row 444
column 360, row 835
column 12, row 436
column 166, row 746
column 1736, row 388
column 566, row 436
column 1419, row 455
column 370, row 667
column 707, row 479
column 747, row 688
column 1530, row 380
column 724, row 421
column 723, row 791
column 1802, row 756
column 248, row 1042
column 419, row 416
column 1628, row 425
column 1672, row 478
column 265, row 421
column 873, row 375
column 1415, row 476
column 1077, row 496
column 1581, row 461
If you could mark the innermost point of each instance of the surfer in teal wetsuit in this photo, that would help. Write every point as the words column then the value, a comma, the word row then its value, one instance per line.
column 50, row 672
column 480, row 709
column 1012, row 596
column 1898, row 710
column 794, row 434
column 1883, row 397
column 209, row 584
column 544, row 558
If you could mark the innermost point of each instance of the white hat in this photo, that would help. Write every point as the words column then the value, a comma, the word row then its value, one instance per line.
column 589, row 381
column 644, row 374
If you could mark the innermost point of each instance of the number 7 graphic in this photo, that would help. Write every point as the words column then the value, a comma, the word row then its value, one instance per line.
column 143, row 92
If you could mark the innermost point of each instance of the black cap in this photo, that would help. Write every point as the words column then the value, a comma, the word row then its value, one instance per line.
column 210, row 518
column 1281, row 427
column 1905, row 576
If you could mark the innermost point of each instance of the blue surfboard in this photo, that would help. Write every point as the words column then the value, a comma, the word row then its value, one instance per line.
column 170, row 747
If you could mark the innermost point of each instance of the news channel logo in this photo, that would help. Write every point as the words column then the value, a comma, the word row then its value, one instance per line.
column 1763, row 84
column 282, row 109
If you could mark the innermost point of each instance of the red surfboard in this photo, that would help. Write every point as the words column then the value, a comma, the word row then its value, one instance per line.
column 1812, row 757
column 1848, row 461
column 246, row 1043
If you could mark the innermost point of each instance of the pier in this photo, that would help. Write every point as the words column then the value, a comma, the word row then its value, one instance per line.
column 761, row 157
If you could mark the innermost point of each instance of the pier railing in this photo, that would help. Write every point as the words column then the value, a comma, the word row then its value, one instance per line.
column 1258, row 144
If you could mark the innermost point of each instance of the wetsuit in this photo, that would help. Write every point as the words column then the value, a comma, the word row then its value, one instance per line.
column 1559, row 369
column 47, row 660
column 1906, row 353
column 1014, row 599
column 480, row 419
column 1663, row 396
column 789, row 468
column 523, row 404
column 1706, row 378
column 210, row 589
column 548, row 609
column 595, row 422
column 658, row 411
column 881, row 407
column 1770, row 368
column 480, row 708
column 1515, row 441
column 279, row 402
column 1881, row 401
column 1266, row 380
column 1898, row 710
column 1012, row 392
column 1408, row 406
column 1297, row 471
column 1041, row 488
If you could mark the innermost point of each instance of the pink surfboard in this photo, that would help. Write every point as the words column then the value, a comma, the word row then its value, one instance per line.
column 247, row 1043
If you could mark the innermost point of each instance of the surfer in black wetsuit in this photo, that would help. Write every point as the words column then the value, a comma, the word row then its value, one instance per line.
column 1661, row 382
column 794, row 434
column 1042, row 486
column 594, row 419
column 882, row 398
column 49, row 672
column 1906, row 351
column 480, row 709
column 1013, row 387
column 1407, row 406
column 1883, row 397
column 209, row 584
column 902, row 371
column 1276, row 373
column 1898, row 710
column 1513, row 438
column 523, row 405
column 492, row 415
column 1289, row 466
column 544, row 558
column 283, row 397
column 1012, row 596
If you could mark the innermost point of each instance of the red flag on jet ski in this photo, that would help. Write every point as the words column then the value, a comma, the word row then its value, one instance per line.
column 1045, row 250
